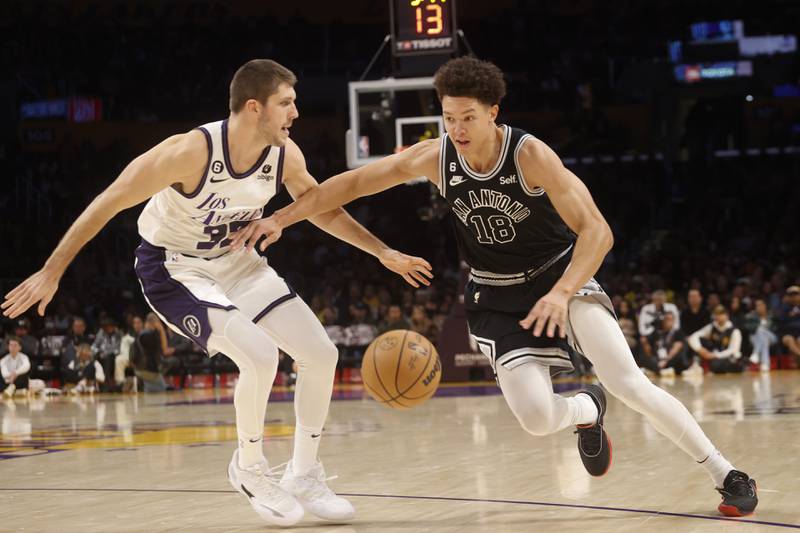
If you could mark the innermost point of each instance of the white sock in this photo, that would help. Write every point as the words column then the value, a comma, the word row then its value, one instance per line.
column 717, row 467
column 587, row 410
column 306, row 446
column 257, row 358
column 250, row 453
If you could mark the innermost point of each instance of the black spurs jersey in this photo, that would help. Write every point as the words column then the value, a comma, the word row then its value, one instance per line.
column 502, row 226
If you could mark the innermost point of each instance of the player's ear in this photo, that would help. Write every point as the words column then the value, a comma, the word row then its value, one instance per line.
column 253, row 106
column 493, row 110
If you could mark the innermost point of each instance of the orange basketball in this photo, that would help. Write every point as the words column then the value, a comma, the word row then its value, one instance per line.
column 401, row 369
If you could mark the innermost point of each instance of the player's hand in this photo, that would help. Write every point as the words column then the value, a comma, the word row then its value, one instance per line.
column 248, row 236
column 550, row 312
column 413, row 269
column 39, row 288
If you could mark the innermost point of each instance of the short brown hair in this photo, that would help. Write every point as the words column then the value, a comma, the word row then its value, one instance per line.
column 258, row 79
column 471, row 77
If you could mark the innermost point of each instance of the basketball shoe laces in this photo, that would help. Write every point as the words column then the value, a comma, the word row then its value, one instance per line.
column 268, row 479
column 313, row 484
column 739, row 485
column 591, row 438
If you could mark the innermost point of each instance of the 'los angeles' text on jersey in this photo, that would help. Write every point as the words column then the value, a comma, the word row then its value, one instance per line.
column 502, row 224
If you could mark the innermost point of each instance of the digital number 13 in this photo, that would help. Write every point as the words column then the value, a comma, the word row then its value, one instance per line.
column 435, row 19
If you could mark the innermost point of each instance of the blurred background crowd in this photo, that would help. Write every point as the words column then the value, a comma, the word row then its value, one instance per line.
column 699, row 181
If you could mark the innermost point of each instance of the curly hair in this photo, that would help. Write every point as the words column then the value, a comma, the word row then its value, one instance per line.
column 471, row 77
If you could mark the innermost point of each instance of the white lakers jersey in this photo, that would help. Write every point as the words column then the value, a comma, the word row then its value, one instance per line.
column 199, row 222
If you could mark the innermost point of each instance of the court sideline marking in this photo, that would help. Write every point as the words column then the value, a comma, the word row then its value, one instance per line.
column 440, row 498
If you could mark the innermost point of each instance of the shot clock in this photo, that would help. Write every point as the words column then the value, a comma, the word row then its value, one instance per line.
column 423, row 27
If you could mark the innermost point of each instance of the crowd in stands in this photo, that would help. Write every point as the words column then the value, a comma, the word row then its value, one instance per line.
column 716, row 236
column 745, row 333
column 750, row 326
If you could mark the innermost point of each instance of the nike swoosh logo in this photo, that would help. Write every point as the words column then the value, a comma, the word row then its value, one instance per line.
column 255, row 439
column 315, row 435
column 216, row 180
column 267, row 507
column 456, row 180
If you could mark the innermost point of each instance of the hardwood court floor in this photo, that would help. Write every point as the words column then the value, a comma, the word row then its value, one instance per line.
column 457, row 464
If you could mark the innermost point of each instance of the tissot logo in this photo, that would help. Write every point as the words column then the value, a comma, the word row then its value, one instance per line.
column 511, row 179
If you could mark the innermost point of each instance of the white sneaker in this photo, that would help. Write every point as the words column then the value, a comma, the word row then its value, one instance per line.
column 9, row 392
column 667, row 372
column 261, row 487
column 314, row 495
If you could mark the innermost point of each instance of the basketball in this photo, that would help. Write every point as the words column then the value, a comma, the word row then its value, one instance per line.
column 401, row 369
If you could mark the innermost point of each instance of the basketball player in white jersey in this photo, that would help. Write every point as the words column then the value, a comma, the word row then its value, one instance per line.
column 202, row 186
column 534, row 238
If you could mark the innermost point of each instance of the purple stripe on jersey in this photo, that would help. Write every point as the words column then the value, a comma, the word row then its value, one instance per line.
column 170, row 298
column 276, row 303
column 205, row 172
column 279, row 180
column 227, row 156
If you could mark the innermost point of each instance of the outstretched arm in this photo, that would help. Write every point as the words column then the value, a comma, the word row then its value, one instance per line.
column 341, row 225
column 418, row 160
column 543, row 168
column 179, row 159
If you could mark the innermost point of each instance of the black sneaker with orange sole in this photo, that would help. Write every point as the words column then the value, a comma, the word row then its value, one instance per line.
column 594, row 445
column 739, row 494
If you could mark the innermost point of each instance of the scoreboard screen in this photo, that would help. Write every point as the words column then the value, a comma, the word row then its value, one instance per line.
column 423, row 26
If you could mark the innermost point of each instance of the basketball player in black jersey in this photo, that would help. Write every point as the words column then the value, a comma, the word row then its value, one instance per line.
column 533, row 237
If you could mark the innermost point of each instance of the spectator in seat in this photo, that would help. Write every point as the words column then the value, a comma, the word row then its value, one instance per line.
column 147, row 353
column 76, row 336
column 719, row 343
column 334, row 331
column 61, row 319
column 29, row 344
column 123, row 360
column 713, row 301
column 14, row 368
column 394, row 319
column 178, row 347
column 106, row 346
column 45, row 364
column 761, row 328
column 52, row 342
column 627, row 323
column 695, row 316
column 664, row 350
column 654, row 311
column 789, row 320
column 359, row 333
column 84, row 373
column 422, row 324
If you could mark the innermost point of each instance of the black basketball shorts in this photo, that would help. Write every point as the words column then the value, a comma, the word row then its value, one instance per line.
column 494, row 313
